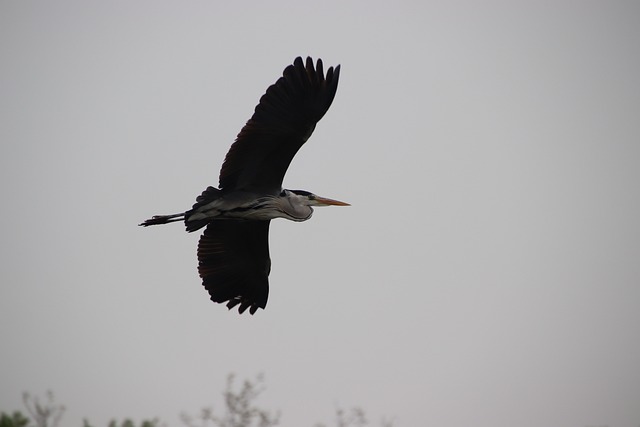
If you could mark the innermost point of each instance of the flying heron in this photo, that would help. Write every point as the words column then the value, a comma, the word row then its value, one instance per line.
column 233, row 251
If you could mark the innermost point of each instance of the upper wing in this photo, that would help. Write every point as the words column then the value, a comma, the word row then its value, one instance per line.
column 283, row 120
column 234, row 263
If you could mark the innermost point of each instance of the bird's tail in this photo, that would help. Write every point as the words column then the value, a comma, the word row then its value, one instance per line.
column 192, row 220
column 163, row 219
column 192, row 224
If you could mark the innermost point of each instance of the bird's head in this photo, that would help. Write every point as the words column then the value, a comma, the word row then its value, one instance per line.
column 310, row 199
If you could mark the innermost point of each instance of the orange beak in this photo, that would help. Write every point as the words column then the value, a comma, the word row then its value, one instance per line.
column 329, row 202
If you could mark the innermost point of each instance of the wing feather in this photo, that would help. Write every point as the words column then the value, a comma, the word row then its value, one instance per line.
column 282, row 121
column 234, row 263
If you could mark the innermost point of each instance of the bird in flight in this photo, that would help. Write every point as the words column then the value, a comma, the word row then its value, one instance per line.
column 233, row 251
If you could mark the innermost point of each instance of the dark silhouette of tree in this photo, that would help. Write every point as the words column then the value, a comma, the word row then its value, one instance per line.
column 127, row 423
column 14, row 420
column 47, row 414
column 240, row 409
column 354, row 417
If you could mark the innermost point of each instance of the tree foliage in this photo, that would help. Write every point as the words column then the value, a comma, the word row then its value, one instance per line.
column 127, row 423
column 354, row 417
column 13, row 420
column 240, row 410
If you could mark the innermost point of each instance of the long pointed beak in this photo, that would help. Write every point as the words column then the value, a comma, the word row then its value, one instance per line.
column 321, row 201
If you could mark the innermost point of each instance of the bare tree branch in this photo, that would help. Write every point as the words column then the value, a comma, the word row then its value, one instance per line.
column 241, row 411
column 46, row 414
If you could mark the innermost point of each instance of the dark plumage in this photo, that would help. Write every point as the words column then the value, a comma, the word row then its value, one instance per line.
column 283, row 120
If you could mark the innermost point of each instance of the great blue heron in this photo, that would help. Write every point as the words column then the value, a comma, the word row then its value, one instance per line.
column 233, row 251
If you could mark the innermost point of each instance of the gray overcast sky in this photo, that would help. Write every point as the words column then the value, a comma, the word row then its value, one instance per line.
column 487, row 273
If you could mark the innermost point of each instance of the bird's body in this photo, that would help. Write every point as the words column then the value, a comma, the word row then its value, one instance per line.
column 233, row 252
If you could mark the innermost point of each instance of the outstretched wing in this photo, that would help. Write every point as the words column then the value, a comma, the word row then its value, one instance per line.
column 234, row 263
column 283, row 120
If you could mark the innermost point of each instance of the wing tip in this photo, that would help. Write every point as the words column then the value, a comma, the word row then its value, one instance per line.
column 317, row 69
column 245, row 304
